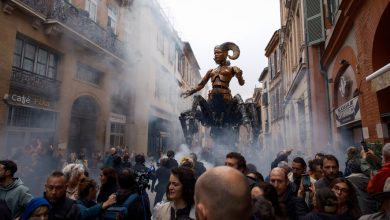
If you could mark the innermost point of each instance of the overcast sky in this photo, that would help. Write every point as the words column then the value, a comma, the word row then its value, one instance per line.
column 206, row 23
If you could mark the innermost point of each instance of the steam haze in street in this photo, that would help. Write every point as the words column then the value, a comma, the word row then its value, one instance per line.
column 248, row 23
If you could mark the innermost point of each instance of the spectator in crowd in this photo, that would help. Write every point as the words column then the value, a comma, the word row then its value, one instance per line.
column 81, row 159
column 63, row 208
column 139, row 165
column 298, row 168
column 180, row 195
column 285, row 166
column 237, row 161
column 143, row 174
column 255, row 176
column 113, row 160
column 126, row 164
column 292, row 205
column 37, row 208
column 162, row 176
column 330, row 166
column 352, row 154
column 73, row 174
column 315, row 169
column 199, row 166
column 262, row 209
column 89, row 209
column 281, row 156
column 252, row 173
column 376, row 183
column 12, row 190
column 370, row 162
column 319, row 156
column 348, row 207
column 108, row 183
column 230, row 198
column 360, row 181
column 139, row 209
column 384, row 198
column 250, row 167
column 187, row 162
column 268, row 191
column 172, row 163
column 325, row 206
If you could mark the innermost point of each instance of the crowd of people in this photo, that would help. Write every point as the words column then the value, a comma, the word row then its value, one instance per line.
column 185, row 189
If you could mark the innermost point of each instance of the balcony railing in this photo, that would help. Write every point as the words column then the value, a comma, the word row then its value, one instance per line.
column 79, row 21
column 35, row 83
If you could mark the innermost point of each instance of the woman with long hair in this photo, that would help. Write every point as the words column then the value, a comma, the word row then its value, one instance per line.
column 180, row 195
column 108, row 183
column 89, row 209
column 348, row 207
column 73, row 173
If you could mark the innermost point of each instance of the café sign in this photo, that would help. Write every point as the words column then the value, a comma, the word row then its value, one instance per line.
column 348, row 112
column 27, row 100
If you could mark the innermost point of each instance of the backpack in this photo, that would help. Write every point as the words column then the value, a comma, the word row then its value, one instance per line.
column 117, row 212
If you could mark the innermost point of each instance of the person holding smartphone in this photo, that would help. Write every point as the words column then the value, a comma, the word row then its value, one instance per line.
column 298, row 167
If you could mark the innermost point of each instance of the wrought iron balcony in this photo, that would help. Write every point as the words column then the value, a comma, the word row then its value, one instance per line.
column 78, row 20
column 35, row 83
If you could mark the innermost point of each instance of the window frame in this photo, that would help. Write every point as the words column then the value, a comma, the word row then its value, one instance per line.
column 20, row 57
column 88, row 8
column 112, row 18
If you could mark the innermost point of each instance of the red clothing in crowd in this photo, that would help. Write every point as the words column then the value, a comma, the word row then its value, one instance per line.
column 376, row 183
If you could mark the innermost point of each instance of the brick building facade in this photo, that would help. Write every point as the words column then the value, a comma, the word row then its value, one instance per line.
column 356, row 46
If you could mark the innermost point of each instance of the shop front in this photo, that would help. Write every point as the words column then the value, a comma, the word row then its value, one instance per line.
column 347, row 113
column 31, row 121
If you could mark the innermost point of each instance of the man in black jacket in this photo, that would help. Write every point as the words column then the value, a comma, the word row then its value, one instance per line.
column 172, row 163
column 55, row 192
column 292, row 205
column 198, row 166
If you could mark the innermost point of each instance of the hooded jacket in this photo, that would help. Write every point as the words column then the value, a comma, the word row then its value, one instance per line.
column 16, row 195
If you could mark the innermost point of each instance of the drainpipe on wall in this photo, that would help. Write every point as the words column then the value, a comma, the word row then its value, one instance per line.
column 308, row 77
column 325, row 75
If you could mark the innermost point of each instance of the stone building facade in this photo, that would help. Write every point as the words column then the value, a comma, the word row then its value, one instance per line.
column 72, row 74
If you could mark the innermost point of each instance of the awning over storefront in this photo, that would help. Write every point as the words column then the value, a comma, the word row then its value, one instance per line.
column 380, row 78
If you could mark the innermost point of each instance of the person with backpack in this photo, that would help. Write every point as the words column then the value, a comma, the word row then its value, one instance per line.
column 131, row 203
column 89, row 209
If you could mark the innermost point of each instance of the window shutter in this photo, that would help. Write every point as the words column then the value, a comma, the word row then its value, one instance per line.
column 314, row 21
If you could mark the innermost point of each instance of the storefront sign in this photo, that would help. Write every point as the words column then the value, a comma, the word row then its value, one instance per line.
column 27, row 100
column 348, row 112
column 117, row 118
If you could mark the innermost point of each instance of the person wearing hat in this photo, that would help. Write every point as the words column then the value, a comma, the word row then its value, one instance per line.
column 384, row 198
column 37, row 208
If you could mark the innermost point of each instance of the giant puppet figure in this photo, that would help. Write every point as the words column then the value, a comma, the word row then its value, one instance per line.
column 221, row 112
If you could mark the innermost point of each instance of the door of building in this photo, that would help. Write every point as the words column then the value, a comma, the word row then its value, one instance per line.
column 82, row 134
